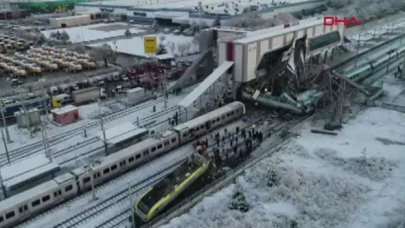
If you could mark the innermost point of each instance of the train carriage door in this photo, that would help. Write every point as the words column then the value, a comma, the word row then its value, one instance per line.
column 208, row 125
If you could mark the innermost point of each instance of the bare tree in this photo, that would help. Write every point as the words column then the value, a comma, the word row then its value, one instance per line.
column 196, row 38
column 64, row 37
column 187, row 48
column 162, row 38
column 104, row 53
column 35, row 36
column 79, row 48
column 127, row 32
column 181, row 48
column 172, row 47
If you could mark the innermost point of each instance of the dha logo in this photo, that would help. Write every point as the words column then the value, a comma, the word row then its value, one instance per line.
column 334, row 21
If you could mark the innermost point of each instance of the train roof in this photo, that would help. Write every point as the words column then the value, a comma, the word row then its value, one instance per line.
column 202, row 119
column 139, row 147
column 27, row 170
column 28, row 195
column 122, row 132
column 64, row 178
column 167, row 133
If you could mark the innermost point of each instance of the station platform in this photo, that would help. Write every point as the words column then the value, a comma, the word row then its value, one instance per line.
column 27, row 173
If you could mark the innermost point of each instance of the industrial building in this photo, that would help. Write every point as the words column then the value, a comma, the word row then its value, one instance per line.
column 65, row 115
column 249, row 49
column 62, row 22
column 10, row 11
column 188, row 11
column 261, row 62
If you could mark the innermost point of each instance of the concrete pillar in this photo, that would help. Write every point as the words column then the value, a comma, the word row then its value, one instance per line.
column 403, row 69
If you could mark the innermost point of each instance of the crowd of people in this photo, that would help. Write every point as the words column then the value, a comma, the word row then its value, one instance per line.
column 231, row 143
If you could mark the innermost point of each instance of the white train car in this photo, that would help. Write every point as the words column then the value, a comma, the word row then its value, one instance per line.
column 205, row 123
column 33, row 201
column 120, row 162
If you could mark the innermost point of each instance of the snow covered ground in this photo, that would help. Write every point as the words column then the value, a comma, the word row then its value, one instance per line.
column 175, row 45
column 95, row 32
column 354, row 179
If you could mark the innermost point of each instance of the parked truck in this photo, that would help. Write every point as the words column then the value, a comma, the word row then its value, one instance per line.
column 137, row 95
column 88, row 94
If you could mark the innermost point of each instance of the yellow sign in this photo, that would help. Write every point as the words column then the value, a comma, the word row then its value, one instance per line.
column 150, row 44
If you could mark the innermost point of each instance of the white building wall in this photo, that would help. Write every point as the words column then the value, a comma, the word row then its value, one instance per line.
column 248, row 57
column 319, row 30
column 252, row 61
column 224, row 34
column 238, row 62
column 278, row 42
column 221, row 52
column 264, row 47
column 289, row 38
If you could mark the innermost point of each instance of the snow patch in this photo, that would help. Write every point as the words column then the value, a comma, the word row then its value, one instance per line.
column 375, row 168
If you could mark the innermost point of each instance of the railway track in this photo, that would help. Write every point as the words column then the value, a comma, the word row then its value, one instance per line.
column 116, row 198
column 93, row 140
column 30, row 149
column 120, row 218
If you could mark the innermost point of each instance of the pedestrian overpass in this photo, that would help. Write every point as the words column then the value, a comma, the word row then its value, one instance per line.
column 210, row 92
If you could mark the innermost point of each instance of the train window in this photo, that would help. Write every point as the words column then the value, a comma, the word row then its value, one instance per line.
column 167, row 142
column 68, row 188
column 106, row 171
column 114, row 167
column 58, row 193
column 45, row 198
column 137, row 156
column 86, row 179
column 22, row 209
column 122, row 163
column 35, row 203
column 131, row 159
column 153, row 149
column 232, row 112
column 10, row 214
column 173, row 140
column 1, row 219
column 159, row 146
column 185, row 135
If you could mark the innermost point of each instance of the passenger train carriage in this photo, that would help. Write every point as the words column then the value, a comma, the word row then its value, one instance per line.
column 46, row 195
column 363, row 71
